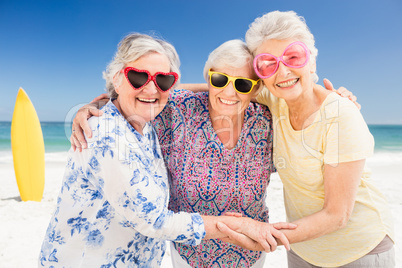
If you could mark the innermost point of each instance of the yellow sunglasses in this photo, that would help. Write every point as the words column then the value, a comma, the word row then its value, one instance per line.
column 241, row 84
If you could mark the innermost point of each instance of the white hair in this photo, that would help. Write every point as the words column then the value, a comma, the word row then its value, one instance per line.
column 280, row 26
column 131, row 48
column 232, row 53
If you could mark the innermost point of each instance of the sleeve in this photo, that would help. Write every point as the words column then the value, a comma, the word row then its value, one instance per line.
column 139, row 194
column 347, row 135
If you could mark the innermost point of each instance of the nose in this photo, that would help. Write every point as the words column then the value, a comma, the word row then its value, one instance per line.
column 283, row 70
column 150, row 88
column 229, row 89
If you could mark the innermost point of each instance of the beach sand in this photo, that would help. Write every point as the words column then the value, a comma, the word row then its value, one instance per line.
column 23, row 224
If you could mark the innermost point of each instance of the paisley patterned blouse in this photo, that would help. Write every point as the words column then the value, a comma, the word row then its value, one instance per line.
column 206, row 177
column 112, row 209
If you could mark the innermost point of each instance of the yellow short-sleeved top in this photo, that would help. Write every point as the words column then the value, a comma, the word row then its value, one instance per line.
column 338, row 134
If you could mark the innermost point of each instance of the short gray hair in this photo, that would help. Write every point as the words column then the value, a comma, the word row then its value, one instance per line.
column 280, row 26
column 232, row 53
column 131, row 48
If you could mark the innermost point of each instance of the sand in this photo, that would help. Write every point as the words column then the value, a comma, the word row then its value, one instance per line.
column 23, row 224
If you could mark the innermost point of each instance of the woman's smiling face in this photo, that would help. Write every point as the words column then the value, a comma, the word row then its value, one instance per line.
column 287, row 83
column 143, row 104
column 227, row 101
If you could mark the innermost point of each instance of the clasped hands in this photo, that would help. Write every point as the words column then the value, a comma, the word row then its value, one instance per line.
column 254, row 235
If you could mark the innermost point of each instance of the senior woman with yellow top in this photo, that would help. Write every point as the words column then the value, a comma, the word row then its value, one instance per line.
column 321, row 143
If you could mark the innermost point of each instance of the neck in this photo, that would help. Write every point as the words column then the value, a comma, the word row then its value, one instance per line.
column 227, row 127
column 303, row 109
column 138, row 125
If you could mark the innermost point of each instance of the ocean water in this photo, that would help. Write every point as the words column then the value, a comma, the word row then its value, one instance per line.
column 388, row 138
column 55, row 135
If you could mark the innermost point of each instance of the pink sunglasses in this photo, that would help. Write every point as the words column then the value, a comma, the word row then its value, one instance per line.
column 296, row 55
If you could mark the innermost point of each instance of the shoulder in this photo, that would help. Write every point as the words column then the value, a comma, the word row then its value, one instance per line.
column 256, row 110
column 106, row 126
column 337, row 107
column 185, row 102
column 259, row 119
column 342, row 114
column 275, row 104
column 180, row 96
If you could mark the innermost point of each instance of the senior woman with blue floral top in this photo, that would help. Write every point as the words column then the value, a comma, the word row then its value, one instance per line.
column 113, row 206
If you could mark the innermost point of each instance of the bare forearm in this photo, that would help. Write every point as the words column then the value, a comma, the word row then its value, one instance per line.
column 315, row 225
column 340, row 187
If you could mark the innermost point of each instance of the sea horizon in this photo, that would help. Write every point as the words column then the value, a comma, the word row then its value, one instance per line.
column 388, row 137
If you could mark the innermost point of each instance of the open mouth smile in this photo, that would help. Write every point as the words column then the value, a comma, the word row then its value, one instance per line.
column 147, row 100
column 288, row 83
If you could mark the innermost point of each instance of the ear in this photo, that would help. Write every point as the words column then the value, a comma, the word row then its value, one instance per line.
column 116, row 82
column 313, row 65
column 257, row 88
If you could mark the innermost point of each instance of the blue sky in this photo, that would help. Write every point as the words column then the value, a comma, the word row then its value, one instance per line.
column 57, row 50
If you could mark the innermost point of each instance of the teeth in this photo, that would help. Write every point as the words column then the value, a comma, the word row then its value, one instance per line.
column 288, row 83
column 147, row 100
column 228, row 102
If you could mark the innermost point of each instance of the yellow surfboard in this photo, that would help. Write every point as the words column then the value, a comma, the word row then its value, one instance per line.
column 28, row 149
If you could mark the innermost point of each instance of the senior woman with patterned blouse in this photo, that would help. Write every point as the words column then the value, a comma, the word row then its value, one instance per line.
column 217, row 146
column 113, row 205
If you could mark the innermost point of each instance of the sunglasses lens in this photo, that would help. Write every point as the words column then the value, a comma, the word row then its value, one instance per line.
column 265, row 65
column 295, row 56
column 165, row 82
column 137, row 79
column 243, row 85
column 219, row 80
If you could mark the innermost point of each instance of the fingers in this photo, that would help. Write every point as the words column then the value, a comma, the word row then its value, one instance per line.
column 284, row 225
column 72, row 143
column 80, row 124
column 234, row 214
column 94, row 111
column 328, row 85
column 100, row 97
column 268, row 247
column 226, row 230
column 358, row 105
column 344, row 92
column 79, row 135
column 75, row 144
column 270, row 241
column 240, row 239
column 282, row 238
column 83, row 120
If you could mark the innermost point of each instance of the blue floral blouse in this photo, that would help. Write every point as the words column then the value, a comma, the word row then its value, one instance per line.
column 112, row 208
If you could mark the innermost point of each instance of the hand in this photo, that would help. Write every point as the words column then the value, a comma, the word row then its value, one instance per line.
column 235, row 214
column 238, row 239
column 264, row 234
column 342, row 92
column 80, row 124
column 101, row 97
